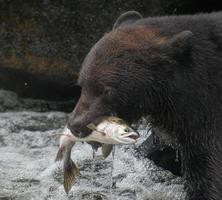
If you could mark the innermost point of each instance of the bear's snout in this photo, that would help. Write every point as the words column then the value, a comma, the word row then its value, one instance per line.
column 78, row 127
column 84, row 115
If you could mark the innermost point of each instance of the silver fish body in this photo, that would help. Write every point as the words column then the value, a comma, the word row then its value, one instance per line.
column 111, row 130
column 115, row 131
column 108, row 132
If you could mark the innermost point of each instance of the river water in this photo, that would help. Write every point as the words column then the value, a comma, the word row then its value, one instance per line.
column 28, row 170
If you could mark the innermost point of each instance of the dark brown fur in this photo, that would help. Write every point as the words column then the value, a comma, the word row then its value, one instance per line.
column 168, row 68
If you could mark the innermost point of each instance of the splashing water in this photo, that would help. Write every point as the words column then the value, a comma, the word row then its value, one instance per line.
column 28, row 171
column 92, row 172
column 111, row 173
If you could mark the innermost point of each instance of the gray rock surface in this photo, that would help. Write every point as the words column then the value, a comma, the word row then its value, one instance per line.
column 43, row 42
column 10, row 101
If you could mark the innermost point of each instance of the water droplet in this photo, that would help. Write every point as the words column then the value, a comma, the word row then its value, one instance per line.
column 177, row 155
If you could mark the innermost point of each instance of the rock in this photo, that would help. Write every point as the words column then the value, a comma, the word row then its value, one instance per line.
column 41, row 85
column 43, row 43
column 10, row 101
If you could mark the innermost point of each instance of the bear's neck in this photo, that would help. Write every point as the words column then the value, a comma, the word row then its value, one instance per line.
column 181, row 112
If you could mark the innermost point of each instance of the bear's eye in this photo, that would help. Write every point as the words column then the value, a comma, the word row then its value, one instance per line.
column 107, row 92
column 109, row 95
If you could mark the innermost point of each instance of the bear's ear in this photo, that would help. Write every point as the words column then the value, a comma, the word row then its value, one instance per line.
column 179, row 42
column 127, row 18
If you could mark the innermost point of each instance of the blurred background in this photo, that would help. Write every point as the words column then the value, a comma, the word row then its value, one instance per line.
column 43, row 42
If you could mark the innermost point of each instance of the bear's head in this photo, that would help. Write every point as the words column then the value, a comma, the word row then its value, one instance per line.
column 127, row 73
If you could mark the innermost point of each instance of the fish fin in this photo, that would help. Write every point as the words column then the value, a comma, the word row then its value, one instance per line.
column 70, row 173
column 106, row 150
column 92, row 127
column 102, row 132
column 59, row 154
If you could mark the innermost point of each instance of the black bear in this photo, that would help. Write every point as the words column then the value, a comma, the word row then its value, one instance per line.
column 170, row 69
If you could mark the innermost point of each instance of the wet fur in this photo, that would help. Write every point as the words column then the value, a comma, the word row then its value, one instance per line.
column 169, row 68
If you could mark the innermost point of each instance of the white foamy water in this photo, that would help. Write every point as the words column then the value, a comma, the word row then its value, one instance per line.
column 28, row 170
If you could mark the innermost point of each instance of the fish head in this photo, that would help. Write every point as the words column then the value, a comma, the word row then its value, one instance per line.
column 116, row 131
column 125, row 135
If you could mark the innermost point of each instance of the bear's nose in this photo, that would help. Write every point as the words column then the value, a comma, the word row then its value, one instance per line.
column 73, row 128
column 77, row 128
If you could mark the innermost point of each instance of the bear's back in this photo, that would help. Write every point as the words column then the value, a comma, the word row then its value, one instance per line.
column 206, row 29
column 206, row 46
column 206, row 42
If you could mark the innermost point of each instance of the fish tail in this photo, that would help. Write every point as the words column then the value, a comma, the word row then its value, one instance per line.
column 70, row 171
column 59, row 154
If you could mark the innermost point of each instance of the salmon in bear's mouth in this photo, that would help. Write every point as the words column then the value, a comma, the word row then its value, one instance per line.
column 115, row 131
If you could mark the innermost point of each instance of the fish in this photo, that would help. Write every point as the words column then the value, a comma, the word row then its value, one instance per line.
column 70, row 169
column 116, row 131
column 111, row 130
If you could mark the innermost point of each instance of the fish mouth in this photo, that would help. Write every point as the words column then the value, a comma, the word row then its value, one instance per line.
column 130, row 138
column 134, row 137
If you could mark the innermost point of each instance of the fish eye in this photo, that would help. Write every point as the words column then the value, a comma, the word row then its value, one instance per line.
column 127, row 129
